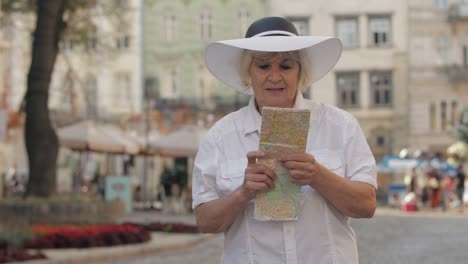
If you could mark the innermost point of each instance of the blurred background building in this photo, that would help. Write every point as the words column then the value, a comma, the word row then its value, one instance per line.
column 403, row 72
column 438, row 70
column 175, row 36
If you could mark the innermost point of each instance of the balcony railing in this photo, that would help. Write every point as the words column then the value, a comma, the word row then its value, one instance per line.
column 458, row 73
column 458, row 12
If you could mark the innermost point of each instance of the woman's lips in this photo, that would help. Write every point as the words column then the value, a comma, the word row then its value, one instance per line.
column 275, row 89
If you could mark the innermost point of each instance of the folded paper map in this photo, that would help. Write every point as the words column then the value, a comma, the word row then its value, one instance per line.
column 283, row 130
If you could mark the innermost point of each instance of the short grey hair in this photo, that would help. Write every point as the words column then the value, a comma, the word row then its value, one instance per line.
column 298, row 56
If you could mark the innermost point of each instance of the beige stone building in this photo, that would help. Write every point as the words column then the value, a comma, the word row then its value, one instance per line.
column 438, row 70
column 370, row 79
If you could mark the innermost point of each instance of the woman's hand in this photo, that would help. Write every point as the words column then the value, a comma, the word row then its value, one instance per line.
column 258, row 177
column 353, row 198
column 303, row 168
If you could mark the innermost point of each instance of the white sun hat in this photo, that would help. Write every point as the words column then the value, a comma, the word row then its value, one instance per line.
column 270, row 34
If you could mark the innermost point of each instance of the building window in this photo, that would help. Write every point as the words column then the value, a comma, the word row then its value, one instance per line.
column 465, row 56
column 348, row 89
column 443, row 115
column 442, row 47
column 432, row 116
column 243, row 21
column 301, row 24
column 170, row 82
column 91, row 40
column 122, row 3
column 206, row 25
column 205, row 84
column 454, row 113
column 91, row 43
column 67, row 44
column 347, row 31
column 122, row 42
column 380, row 31
column 381, row 88
column 380, row 141
column 174, row 75
column 121, row 96
column 169, row 28
column 91, row 97
column 68, row 95
column 151, row 88
column 440, row 4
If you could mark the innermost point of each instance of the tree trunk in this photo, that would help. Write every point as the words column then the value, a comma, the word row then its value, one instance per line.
column 41, row 139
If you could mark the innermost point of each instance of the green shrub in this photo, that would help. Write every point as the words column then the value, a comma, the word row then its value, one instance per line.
column 15, row 234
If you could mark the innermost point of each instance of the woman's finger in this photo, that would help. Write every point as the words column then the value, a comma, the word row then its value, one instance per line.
column 296, row 165
column 301, row 157
column 300, row 182
column 252, row 157
column 257, row 186
column 261, row 178
column 297, row 174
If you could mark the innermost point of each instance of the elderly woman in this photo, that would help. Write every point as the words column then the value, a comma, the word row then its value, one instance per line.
column 337, row 174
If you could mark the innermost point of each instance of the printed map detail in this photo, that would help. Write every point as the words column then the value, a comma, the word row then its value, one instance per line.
column 283, row 130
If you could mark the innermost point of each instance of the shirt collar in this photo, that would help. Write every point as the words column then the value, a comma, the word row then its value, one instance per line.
column 254, row 119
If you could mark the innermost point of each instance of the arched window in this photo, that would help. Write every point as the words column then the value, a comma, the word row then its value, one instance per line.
column 243, row 21
column 205, row 25
column 168, row 27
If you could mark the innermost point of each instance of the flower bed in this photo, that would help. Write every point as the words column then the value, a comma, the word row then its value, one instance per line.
column 168, row 227
column 55, row 237
column 87, row 236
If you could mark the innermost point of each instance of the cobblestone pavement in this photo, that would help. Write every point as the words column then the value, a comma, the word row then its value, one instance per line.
column 386, row 238
column 412, row 240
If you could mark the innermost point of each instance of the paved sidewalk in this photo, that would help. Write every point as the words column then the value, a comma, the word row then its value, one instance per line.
column 163, row 242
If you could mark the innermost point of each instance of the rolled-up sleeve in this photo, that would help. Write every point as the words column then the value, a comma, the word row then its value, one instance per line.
column 204, row 171
column 360, row 162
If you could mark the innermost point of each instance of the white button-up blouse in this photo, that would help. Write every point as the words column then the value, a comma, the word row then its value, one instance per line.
column 321, row 234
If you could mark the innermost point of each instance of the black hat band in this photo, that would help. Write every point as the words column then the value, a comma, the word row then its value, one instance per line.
column 271, row 26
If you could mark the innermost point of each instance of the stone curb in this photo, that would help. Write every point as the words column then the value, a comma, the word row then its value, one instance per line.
column 98, row 255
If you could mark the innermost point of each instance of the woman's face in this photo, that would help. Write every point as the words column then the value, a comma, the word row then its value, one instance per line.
column 274, row 81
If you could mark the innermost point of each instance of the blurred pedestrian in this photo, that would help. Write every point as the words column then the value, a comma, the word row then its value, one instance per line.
column 446, row 191
column 435, row 189
column 460, row 187
column 410, row 180
column 166, row 180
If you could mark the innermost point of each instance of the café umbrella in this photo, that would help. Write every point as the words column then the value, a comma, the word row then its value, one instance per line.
column 183, row 142
column 92, row 137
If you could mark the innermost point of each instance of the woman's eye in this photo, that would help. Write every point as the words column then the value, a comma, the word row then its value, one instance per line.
column 264, row 66
column 286, row 66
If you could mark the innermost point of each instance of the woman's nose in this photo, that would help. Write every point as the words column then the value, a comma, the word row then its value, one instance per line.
column 275, row 75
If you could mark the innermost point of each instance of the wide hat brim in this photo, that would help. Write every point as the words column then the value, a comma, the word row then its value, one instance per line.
column 223, row 57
